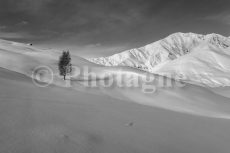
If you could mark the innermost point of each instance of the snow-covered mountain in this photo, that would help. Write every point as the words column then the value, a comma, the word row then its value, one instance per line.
column 200, row 59
column 34, row 66
column 170, row 48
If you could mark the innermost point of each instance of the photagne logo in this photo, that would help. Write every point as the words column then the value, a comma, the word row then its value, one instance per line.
column 43, row 76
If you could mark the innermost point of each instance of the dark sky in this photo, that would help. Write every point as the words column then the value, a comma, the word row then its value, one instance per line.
column 108, row 26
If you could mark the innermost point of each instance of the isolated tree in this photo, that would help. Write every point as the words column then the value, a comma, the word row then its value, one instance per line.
column 64, row 64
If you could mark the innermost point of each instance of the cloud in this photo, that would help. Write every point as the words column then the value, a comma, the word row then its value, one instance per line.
column 109, row 22
column 2, row 27
column 93, row 45
column 16, row 35
column 22, row 23
column 223, row 18
column 31, row 6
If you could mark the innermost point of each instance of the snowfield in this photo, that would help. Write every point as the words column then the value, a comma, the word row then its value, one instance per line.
column 57, row 120
column 84, row 115
column 187, row 98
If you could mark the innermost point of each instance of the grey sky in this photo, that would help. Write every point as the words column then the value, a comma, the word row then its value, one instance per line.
column 108, row 26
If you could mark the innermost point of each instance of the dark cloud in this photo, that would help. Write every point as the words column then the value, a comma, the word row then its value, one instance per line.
column 110, row 22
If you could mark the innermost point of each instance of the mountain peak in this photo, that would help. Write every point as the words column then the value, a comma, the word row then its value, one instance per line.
column 167, row 49
column 205, row 54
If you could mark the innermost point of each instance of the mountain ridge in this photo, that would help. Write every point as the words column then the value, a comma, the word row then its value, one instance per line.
column 155, row 57
column 198, row 59
column 169, row 48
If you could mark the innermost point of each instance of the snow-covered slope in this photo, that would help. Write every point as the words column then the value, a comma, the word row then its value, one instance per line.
column 121, row 83
column 211, row 57
column 206, row 65
column 24, row 59
column 59, row 120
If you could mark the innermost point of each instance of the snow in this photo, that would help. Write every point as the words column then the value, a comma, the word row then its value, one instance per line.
column 166, row 56
column 77, row 118
column 24, row 59
column 57, row 120
column 205, row 65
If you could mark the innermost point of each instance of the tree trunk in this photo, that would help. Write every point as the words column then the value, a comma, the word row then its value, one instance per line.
column 64, row 77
